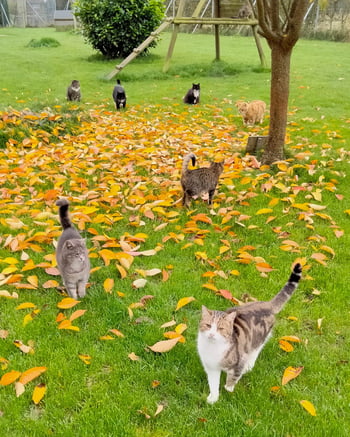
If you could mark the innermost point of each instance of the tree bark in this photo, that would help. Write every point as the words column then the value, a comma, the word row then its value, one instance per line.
column 279, row 95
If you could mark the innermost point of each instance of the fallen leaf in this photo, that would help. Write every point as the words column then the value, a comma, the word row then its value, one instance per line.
column 139, row 283
column 31, row 374
column 291, row 373
column 164, row 345
column 184, row 301
column 308, row 407
column 133, row 357
column 10, row 377
column 67, row 302
column 39, row 393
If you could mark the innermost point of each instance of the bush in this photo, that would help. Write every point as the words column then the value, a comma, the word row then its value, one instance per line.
column 116, row 27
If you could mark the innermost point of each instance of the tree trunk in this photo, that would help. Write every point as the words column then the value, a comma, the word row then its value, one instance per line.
column 279, row 94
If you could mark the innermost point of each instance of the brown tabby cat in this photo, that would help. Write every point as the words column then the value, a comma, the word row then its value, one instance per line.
column 199, row 181
column 72, row 255
column 231, row 340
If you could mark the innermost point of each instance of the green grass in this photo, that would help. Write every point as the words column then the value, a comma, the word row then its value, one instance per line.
column 140, row 151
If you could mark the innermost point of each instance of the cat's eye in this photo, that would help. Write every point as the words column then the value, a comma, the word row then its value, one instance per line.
column 208, row 325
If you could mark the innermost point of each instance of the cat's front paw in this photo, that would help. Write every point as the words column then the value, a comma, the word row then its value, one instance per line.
column 229, row 388
column 211, row 399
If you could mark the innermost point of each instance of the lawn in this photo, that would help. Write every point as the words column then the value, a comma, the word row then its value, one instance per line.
column 121, row 173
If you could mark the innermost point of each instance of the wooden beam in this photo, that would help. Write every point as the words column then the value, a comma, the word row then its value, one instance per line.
column 179, row 13
column 216, row 30
column 219, row 21
column 259, row 46
column 199, row 8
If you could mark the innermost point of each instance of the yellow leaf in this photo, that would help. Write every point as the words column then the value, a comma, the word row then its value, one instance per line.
column 67, row 324
column 85, row 358
column 9, row 377
column 164, row 345
column 181, row 328
column 31, row 374
column 33, row 280
column 224, row 249
column 122, row 271
column 308, row 407
column 107, row 337
column 264, row 211
column 108, row 285
column 39, row 393
column 67, row 302
column 210, row 286
column 292, row 338
column 25, row 305
column 291, row 373
column 184, row 301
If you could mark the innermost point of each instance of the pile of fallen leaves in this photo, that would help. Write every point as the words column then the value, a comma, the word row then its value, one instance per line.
column 121, row 172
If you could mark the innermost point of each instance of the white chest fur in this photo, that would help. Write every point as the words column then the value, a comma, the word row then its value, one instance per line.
column 211, row 350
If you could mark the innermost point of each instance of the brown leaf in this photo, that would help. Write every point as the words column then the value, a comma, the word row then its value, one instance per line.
column 164, row 345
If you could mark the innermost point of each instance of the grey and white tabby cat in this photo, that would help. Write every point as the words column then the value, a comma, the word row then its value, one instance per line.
column 231, row 340
column 199, row 181
column 72, row 255
column 73, row 91
column 193, row 94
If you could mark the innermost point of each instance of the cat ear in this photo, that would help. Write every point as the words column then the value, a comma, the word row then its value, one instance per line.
column 231, row 316
column 205, row 311
column 69, row 244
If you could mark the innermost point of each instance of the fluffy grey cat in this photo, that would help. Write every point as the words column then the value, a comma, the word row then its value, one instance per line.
column 72, row 255
column 73, row 91
column 231, row 340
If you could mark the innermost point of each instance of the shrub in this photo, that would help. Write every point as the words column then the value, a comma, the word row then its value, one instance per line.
column 116, row 27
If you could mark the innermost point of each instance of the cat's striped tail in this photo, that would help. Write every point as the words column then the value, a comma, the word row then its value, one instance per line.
column 187, row 159
column 284, row 295
column 63, row 213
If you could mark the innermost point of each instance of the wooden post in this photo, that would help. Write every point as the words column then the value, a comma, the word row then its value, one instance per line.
column 217, row 30
column 259, row 46
column 173, row 37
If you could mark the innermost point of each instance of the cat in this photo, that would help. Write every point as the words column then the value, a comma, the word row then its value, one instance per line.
column 231, row 340
column 245, row 11
column 119, row 95
column 193, row 94
column 72, row 255
column 200, row 180
column 252, row 112
column 73, row 91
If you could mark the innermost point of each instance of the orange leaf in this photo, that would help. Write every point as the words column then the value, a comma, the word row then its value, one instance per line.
column 210, row 286
column 263, row 267
column 184, row 301
column 285, row 345
column 308, row 407
column 164, row 345
column 291, row 373
column 39, row 393
column 9, row 377
column 117, row 332
column 76, row 314
column 31, row 374
column 67, row 302
column 51, row 283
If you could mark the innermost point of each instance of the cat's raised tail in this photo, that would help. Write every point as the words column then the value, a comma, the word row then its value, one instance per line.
column 189, row 157
column 63, row 205
column 284, row 295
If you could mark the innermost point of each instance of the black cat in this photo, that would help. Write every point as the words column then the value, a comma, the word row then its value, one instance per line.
column 119, row 96
column 193, row 94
